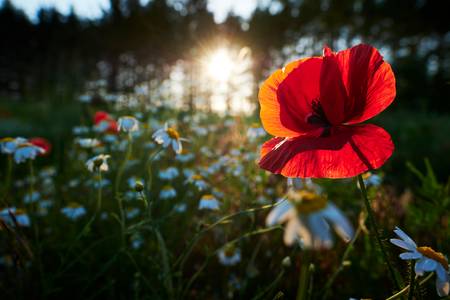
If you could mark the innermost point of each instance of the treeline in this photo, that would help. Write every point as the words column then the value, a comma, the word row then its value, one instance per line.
column 55, row 55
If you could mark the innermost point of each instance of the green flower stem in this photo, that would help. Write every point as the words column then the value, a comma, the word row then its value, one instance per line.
column 99, row 192
column 30, row 164
column 412, row 278
column 406, row 288
column 117, row 188
column 185, row 255
column 375, row 231
column 8, row 179
column 303, row 280
column 341, row 265
column 148, row 167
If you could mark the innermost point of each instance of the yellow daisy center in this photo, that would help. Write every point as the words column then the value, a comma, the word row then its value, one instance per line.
column 229, row 251
column 366, row 175
column 6, row 139
column 196, row 177
column 73, row 205
column 173, row 133
column 208, row 197
column 19, row 212
column 437, row 256
column 306, row 201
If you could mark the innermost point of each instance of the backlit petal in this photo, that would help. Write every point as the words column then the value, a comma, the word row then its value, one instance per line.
column 345, row 153
column 285, row 97
column 368, row 80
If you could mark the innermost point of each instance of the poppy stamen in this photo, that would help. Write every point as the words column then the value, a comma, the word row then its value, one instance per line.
column 318, row 117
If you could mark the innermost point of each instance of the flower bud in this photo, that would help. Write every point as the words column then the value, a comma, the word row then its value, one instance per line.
column 98, row 162
column 138, row 187
column 286, row 262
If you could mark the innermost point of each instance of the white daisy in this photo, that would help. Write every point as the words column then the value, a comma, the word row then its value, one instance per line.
column 180, row 207
column 168, row 173
column 20, row 216
column 98, row 162
column 26, row 151
column 87, row 143
column 229, row 255
column 167, row 192
column 198, row 181
column 8, row 145
column 168, row 136
column 309, row 217
column 184, row 157
column 427, row 260
column 31, row 198
column 128, row 124
column 209, row 202
column 73, row 211
column 132, row 212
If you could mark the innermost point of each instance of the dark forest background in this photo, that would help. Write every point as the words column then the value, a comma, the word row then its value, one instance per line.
column 57, row 54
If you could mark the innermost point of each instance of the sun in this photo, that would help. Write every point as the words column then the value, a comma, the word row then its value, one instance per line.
column 219, row 65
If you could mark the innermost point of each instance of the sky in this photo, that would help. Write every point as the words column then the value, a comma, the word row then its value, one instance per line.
column 94, row 8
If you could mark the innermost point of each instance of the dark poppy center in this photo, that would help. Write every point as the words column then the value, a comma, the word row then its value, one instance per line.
column 318, row 117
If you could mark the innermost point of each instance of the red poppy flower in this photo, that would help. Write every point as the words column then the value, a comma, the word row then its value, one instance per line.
column 42, row 143
column 315, row 106
column 102, row 116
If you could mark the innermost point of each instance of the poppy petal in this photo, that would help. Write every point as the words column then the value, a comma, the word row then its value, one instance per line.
column 333, row 95
column 349, row 151
column 368, row 80
column 286, row 96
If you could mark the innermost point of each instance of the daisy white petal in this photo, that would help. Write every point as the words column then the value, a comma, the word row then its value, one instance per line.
column 401, row 234
column 410, row 255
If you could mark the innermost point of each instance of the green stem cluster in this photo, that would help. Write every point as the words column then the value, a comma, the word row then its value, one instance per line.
column 376, row 232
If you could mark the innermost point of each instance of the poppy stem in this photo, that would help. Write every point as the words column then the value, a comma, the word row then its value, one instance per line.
column 376, row 232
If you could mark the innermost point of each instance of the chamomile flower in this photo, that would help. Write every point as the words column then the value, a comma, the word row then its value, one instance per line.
column 167, row 192
column 198, row 181
column 31, row 198
column 371, row 179
column 229, row 255
column 180, row 207
column 168, row 173
column 73, row 211
column 132, row 212
column 169, row 136
column 87, row 143
column 20, row 216
column 8, row 145
column 309, row 217
column 128, row 124
column 26, row 151
column 209, row 202
column 427, row 260
column 184, row 156
column 98, row 162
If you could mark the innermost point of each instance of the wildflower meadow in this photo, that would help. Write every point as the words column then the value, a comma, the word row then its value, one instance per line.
column 227, row 171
